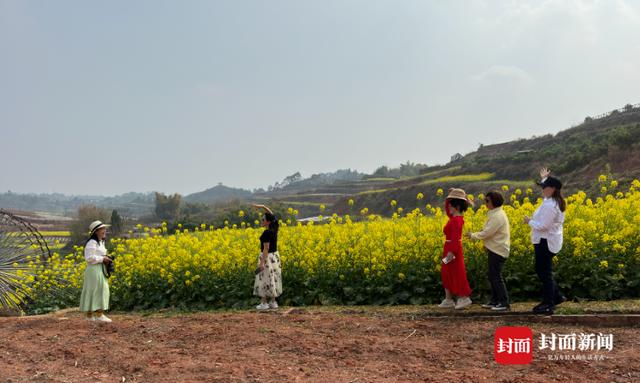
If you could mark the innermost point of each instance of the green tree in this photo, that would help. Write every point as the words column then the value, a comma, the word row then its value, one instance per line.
column 295, row 177
column 168, row 207
column 117, row 224
column 79, row 228
column 382, row 171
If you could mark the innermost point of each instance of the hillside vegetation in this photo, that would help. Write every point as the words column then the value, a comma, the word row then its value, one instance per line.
column 606, row 144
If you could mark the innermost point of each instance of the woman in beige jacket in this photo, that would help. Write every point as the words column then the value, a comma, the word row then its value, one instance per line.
column 495, row 234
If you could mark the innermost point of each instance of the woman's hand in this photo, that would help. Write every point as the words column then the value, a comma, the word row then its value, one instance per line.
column 469, row 235
column 544, row 173
column 263, row 258
column 448, row 258
column 106, row 260
column 526, row 219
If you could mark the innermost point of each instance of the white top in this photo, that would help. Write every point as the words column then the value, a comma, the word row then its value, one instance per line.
column 547, row 223
column 94, row 252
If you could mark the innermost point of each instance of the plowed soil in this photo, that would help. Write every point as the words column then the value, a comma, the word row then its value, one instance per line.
column 293, row 345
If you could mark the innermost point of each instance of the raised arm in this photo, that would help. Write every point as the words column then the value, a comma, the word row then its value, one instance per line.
column 257, row 206
column 544, row 173
column 447, row 208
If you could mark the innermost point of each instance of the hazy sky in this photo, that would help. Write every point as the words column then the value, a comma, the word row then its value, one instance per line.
column 176, row 96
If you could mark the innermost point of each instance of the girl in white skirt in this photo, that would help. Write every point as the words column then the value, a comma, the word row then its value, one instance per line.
column 95, row 290
column 268, row 281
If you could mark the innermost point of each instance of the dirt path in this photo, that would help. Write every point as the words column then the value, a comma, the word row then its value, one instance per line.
column 290, row 346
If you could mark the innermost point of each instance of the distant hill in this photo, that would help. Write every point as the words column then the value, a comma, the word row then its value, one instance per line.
column 129, row 204
column 608, row 143
column 295, row 182
column 218, row 193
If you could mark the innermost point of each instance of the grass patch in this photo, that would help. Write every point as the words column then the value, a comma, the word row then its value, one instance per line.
column 381, row 179
column 513, row 184
column 460, row 178
column 571, row 310
column 430, row 174
column 481, row 177
column 294, row 203
column 453, row 168
column 55, row 233
column 375, row 191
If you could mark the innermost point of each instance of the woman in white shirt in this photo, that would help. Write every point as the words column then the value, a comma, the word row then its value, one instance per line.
column 95, row 290
column 546, row 236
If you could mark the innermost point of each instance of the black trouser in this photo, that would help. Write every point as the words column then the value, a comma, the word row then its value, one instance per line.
column 550, row 292
column 498, row 287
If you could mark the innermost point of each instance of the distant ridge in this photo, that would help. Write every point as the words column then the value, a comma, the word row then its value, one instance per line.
column 218, row 193
column 608, row 143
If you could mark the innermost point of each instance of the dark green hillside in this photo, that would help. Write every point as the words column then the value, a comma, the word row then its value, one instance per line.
column 575, row 154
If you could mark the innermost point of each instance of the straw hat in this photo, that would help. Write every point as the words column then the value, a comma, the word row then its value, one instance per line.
column 96, row 225
column 457, row 194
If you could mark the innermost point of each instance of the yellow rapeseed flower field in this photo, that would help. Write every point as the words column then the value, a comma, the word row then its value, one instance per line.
column 358, row 260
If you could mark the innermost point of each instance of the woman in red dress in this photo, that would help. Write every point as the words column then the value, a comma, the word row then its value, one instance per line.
column 454, row 275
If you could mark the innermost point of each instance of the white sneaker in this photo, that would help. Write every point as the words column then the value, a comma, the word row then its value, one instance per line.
column 273, row 305
column 103, row 318
column 462, row 303
column 262, row 306
column 447, row 303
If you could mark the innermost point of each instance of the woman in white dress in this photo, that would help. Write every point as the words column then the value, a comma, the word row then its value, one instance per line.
column 94, row 300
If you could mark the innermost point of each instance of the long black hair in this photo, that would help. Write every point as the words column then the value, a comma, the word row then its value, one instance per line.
column 273, row 222
column 557, row 196
column 94, row 236
column 461, row 204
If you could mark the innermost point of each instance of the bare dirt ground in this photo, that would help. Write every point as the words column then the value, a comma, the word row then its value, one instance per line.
column 295, row 345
